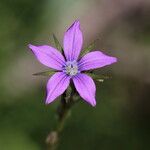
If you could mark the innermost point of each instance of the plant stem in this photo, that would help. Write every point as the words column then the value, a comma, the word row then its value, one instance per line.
column 63, row 111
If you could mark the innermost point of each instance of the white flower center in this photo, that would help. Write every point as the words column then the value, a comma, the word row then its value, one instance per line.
column 71, row 68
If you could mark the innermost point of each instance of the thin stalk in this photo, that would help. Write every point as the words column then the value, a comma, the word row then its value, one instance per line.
column 63, row 112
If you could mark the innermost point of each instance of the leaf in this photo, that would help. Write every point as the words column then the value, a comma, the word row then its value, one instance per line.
column 89, row 48
column 44, row 73
column 99, row 78
column 57, row 43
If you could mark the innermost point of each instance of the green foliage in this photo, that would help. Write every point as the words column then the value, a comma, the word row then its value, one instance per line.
column 45, row 73
column 88, row 48
column 57, row 43
column 98, row 77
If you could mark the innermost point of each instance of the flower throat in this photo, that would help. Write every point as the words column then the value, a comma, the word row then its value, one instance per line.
column 71, row 68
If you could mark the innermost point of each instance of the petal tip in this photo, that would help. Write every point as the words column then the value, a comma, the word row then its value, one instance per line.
column 46, row 102
column 114, row 59
column 93, row 103
column 30, row 46
column 77, row 22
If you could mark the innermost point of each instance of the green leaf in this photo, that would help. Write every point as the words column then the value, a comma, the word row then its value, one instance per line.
column 99, row 78
column 89, row 48
column 44, row 73
column 57, row 43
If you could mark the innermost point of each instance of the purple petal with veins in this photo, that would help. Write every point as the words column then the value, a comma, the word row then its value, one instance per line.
column 48, row 56
column 85, row 87
column 73, row 41
column 94, row 60
column 56, row 85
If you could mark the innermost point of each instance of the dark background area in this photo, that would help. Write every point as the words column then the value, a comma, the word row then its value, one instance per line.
column 121, row 119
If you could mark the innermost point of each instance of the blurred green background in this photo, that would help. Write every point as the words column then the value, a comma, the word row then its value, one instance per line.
column 121, row 119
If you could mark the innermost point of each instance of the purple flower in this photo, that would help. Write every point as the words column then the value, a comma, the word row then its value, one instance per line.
column 71, row 67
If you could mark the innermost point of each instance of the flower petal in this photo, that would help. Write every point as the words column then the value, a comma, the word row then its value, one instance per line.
column 56, row 85
column 48, row 56
column 85, row 87
column 95, row 60
column 73, row 41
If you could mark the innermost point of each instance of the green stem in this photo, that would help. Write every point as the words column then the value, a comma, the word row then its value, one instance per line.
column 63, row 111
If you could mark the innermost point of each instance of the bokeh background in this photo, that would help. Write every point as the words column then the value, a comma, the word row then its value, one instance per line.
column 121, row 119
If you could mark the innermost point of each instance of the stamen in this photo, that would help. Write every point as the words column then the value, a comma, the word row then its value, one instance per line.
column 71, row 68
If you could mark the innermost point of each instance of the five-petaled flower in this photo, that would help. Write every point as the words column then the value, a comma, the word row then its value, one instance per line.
column 71, row 67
